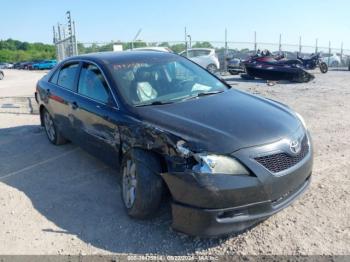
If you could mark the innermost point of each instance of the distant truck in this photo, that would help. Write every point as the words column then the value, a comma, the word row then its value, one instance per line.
column 46, row 64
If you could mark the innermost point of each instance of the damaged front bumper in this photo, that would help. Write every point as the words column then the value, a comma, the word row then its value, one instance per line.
column 211, row 205
column 213, row 222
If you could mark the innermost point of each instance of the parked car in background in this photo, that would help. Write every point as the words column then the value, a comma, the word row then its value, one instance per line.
column 205, row 57
column 24, row 65
column 2, row 75
column 332, row 60
column 152, row 48
column 46, row 64
column 154, row 116
column 16, row 65
column 6, row 65
column 235, row 66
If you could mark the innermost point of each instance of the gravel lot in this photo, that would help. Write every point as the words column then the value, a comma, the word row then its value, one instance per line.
column 60, row 200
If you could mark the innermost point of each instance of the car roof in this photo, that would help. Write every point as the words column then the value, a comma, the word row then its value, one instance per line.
column 120, row 56
column 151, row 48
column 206, row 49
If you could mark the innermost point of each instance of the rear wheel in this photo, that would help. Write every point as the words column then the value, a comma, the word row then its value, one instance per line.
column 53, row 134
column 212, row 68
column 323, row 67
column 142, row 186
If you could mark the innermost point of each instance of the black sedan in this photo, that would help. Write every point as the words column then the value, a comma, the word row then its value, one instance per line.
column 228, row 159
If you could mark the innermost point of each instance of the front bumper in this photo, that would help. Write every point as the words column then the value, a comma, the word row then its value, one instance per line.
column 213, row 222
column 211, row 205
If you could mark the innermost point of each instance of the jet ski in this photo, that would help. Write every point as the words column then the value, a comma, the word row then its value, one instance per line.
column 268, row 67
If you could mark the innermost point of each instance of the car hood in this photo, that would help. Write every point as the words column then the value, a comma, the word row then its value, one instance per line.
column 223, row 123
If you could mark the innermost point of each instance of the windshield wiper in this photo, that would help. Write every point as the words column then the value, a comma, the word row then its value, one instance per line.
column 155, row 103
column 208, row 93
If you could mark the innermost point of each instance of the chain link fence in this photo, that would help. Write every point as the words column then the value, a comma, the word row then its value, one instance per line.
column 334, row 57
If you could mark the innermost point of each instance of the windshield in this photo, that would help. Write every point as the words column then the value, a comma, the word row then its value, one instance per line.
column 149, row 80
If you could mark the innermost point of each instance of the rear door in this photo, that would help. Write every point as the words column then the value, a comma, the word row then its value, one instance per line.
column 93, row 112
column 59, row 93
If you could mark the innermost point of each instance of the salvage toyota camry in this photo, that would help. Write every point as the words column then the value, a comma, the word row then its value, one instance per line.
column 229, row 159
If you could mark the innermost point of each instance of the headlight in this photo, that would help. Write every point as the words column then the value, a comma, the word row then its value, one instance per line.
column 216, row 164
column 301, row 119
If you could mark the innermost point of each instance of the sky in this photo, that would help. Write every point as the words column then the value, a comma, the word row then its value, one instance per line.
column 164, row 20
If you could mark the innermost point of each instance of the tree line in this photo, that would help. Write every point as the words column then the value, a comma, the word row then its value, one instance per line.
column 16, row 51
column 177, row 47
column 12, row 51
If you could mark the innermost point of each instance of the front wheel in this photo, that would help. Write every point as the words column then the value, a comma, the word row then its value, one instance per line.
column 142, row 186
column 323, row 67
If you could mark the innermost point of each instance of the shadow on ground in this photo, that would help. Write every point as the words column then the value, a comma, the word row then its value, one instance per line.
column 81, row 196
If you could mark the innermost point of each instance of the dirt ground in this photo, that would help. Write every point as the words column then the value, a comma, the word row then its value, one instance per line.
column 60, row 200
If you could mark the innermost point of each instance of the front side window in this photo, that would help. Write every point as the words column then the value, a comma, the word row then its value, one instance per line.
column 92, row 84
column 162, row 79
column 67, row 76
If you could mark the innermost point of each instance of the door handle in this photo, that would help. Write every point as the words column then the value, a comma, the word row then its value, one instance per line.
column 74, row 105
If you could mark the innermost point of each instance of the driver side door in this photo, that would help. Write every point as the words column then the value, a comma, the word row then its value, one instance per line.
column 94, row 112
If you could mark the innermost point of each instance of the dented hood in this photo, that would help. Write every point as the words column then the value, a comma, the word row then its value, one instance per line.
column 223, row 123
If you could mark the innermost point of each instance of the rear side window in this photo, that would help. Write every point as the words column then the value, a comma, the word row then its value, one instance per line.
column 54, row 78
column 67, row 76
column 92, row 84
column 201, row 53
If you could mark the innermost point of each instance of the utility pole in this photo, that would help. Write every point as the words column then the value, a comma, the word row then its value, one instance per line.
column 280, row 44
column 225, row 56
column 186, row 42
column 299, row 44
column 136, row 36
column 329, row 52
column 75, row 40
column 189, row 36
column 255, row 43
column 316, row 47
column 70, row 33
column 341, row 52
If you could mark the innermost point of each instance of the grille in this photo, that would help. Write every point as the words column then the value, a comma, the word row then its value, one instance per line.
column 282, row 161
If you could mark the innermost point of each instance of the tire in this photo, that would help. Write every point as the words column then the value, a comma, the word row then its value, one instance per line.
column 212, row 68
column 142, row 185
column 335, row 64
column 1, row 75
column 323, row 67
column 233, row 72
column 51, row 130
column 247, row 77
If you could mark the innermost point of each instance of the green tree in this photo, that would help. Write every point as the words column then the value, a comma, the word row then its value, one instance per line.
column 202, row 45
column 178, row 48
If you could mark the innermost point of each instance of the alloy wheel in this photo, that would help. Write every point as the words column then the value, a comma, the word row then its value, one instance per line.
column 129, row 183
column 49, row 126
